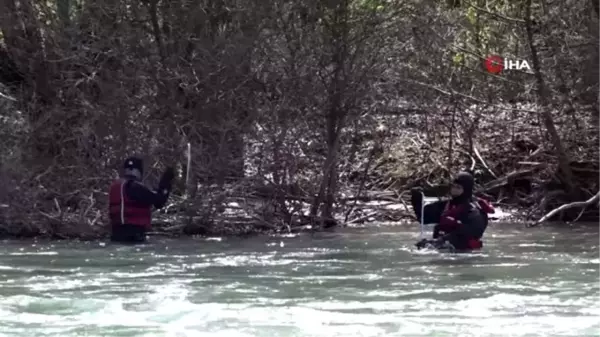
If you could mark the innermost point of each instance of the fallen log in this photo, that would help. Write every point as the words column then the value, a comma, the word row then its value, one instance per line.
column 565, row 207
column 502, row 181
column 361, row 218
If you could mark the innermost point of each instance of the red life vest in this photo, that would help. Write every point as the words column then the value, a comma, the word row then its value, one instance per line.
column 451, row 214
column 449, row 222
column 123, row 210
column 449, row 219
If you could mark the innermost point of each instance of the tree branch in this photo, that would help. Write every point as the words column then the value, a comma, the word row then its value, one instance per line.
column 565, row 207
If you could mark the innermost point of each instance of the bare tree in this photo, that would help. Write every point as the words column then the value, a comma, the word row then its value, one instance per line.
column 281, row 114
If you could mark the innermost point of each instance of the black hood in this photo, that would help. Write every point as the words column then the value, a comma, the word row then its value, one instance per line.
column 467, row 182
column 133, row 164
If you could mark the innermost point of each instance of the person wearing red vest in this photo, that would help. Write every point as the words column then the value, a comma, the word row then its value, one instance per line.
column 131, row 202
column 461, row 221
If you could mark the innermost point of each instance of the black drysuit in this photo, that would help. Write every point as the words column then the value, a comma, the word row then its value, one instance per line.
column 471, row 222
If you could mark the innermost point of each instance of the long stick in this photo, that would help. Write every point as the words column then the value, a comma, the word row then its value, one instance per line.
column 188, row 169
column 422, row 215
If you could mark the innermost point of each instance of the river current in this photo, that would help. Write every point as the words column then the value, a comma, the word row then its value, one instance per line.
column 352, row 282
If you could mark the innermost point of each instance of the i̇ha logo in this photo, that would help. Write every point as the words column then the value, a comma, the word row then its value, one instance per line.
column 496, row 64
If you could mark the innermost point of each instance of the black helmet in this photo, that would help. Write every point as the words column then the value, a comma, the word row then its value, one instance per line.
column 134, row 166
column 465, row 179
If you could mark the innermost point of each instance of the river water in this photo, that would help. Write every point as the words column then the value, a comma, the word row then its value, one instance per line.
column 354, row 282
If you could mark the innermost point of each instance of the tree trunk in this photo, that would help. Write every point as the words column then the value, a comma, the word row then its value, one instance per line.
column 563, row 158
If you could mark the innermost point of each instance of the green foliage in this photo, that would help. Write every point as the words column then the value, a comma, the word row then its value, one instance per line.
column 371, row 5
column 485, row 32
column 458, row 59
column 472, row 15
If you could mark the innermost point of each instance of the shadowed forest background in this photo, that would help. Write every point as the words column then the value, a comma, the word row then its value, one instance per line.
column 295, row 112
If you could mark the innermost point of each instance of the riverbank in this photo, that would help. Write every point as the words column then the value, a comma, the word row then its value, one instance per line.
column 375, row 172
column 232, row 219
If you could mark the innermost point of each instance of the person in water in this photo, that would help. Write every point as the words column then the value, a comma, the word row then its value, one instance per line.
column 461, row 221
column 131, row 202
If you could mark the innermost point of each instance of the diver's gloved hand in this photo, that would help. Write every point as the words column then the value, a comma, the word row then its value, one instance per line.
column 416, row 191
column 446, row 245
column 421, row 244
column 169, row 174
column 416, row 196
column 167, row 179
column 443, row 238
column 442, row 242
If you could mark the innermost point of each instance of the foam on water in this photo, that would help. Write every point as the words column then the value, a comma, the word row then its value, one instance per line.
column 354, row 283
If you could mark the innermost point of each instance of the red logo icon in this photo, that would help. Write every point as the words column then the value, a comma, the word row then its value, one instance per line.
column 494, row 64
